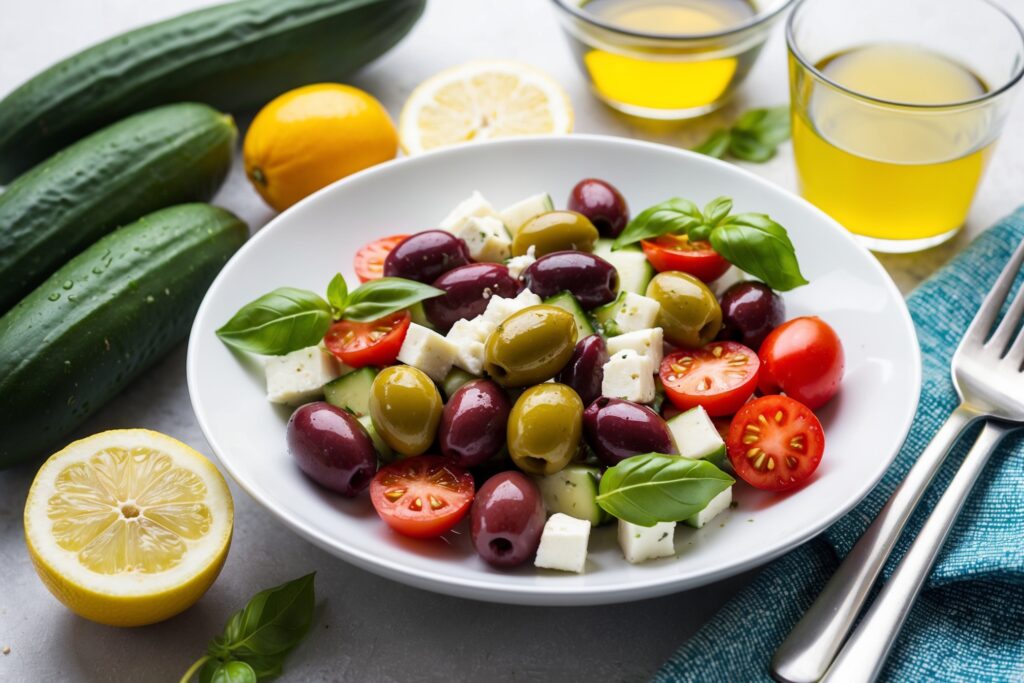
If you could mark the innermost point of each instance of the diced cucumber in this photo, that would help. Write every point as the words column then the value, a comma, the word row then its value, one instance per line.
column 351, row 392
column 635, row 271
column 696, row 436
column 715, row 507
column 384, row 451
column 604, row 316
column 455, row 379
column 573, row 491
column 567, row 302
column 516, row 215
column 419, row 316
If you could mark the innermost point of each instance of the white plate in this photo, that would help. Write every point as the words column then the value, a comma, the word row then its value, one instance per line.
column 306, row 245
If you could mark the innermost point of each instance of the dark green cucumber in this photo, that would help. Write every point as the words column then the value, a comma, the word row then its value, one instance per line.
column 234, row 57
column 102, row 320
column 165, row 156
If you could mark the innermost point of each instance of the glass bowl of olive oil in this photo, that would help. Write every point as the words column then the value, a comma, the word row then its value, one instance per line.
column 896, row 107
column 667, row 59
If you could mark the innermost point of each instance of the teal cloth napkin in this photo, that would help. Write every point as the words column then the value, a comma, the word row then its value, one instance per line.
column 968, row 623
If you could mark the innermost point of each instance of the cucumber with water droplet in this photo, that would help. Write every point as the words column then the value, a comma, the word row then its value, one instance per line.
column 66, row 350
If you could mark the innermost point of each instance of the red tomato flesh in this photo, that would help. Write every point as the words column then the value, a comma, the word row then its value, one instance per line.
column 721, row 377
column 374, row 343
column 677, row 252
column 804, row 359
column 369, row 260
column 775, row 443
column 423, row 497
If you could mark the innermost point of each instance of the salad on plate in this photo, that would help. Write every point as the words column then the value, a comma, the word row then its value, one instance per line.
column 545, row 372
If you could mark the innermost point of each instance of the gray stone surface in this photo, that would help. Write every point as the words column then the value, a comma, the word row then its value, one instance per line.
column 369, row 628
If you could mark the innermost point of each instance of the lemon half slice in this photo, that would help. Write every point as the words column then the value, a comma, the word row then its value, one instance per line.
column 483, row 100
column 128, row 527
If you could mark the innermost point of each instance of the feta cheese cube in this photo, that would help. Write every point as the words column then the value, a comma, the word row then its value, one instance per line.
column 498, row 308
column 468, row 337
column 642, row 543
column 650, row 343
column 563, row 544
column 299, row 377
column 715, row 507
column 428, row 351
column 629, row 376
column 473, row 207
column 517, row 264
column 486, row 238
column 636, row 312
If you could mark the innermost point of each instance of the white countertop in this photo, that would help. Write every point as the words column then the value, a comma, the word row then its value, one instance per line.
column 368, row 628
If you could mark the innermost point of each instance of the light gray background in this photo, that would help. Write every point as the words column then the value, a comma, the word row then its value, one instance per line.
column 369, row 628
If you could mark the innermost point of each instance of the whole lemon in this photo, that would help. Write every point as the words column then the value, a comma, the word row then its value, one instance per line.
column 309, row 137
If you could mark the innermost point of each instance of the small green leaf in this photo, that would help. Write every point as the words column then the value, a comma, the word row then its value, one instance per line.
column 747, row 147
column 337, row 295
column 755, row 243
column 273, row 622
column 232, row 671
column 377, row 298
column 716, row 145
column 672, row 216
column 277, row 323
column 652, row 488
column 770, row 126
column 717, row 209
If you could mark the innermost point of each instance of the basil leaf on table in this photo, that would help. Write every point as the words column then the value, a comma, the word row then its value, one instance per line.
column 769, row 126
column 716, row 145
column 754, row 137
column 233, row 671
column 377, row 298
column 755, row 243
column 672, row 216
column 337, row 294
column 652, row 488
column 277, row 323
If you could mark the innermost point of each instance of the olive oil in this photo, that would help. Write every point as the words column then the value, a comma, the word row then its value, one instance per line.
column 889, row 172
column 667, row 78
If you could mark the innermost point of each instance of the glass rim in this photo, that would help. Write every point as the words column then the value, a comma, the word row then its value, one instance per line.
column 755, row 21
column 984, row 97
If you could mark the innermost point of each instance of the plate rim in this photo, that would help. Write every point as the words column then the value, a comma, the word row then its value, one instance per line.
column 552, row 594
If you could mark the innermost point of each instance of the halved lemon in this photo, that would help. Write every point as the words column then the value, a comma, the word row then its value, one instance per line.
column 128, row 527
column 482, row 101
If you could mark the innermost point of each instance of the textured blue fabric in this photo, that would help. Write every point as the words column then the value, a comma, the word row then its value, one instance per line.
column 968, row 624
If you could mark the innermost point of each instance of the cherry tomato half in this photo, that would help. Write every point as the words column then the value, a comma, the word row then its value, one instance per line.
column 677, row 252
column 775, row 443
column 369, row 260
column 721, row 377
column 802, row 358
column 374, row 343
column 423, row 497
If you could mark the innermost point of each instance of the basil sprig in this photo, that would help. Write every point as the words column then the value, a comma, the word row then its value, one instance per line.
column 754, row 137
column 290, row 319
column 256, row 640
column 652, row 488
column 750, row 241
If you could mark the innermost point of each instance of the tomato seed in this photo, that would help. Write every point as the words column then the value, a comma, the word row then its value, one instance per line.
column 435, row 503
column 416, row 505
column 394, row 494
column 749, row 439
column 791, row 461
column 771, row 464
column 717, row 352
column 778, row 416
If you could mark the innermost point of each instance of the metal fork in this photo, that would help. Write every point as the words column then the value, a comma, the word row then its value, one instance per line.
column 988, row 380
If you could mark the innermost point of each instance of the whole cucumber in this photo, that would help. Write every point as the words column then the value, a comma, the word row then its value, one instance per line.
column 103, row 319
column 165, row 156
column 234, row 56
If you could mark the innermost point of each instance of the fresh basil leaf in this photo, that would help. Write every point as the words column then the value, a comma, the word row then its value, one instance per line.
column 377, row 298
column 755, row 243
column 716, row 145
column 717, row 209
column 652, row 488
column 748, row 147
column 672, row 216
column 273, row 623
column 769, row 126
column 277, row 323
column 232, row 671
column 337, row 294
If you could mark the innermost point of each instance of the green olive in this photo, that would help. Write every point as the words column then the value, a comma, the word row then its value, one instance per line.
column 690, row 315
column 405, row 408
column 555, row 231
column 544, row 428
column 530, row 346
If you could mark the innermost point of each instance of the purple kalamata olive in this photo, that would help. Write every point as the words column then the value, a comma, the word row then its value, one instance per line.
column 507, row 519
column 467, row 290
column 750, row 310
column 591, row 279
column 617, row 429
column 331, row 447
column 585, row 370
column 473, row 423
column 425, row 256
column 602, row 203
